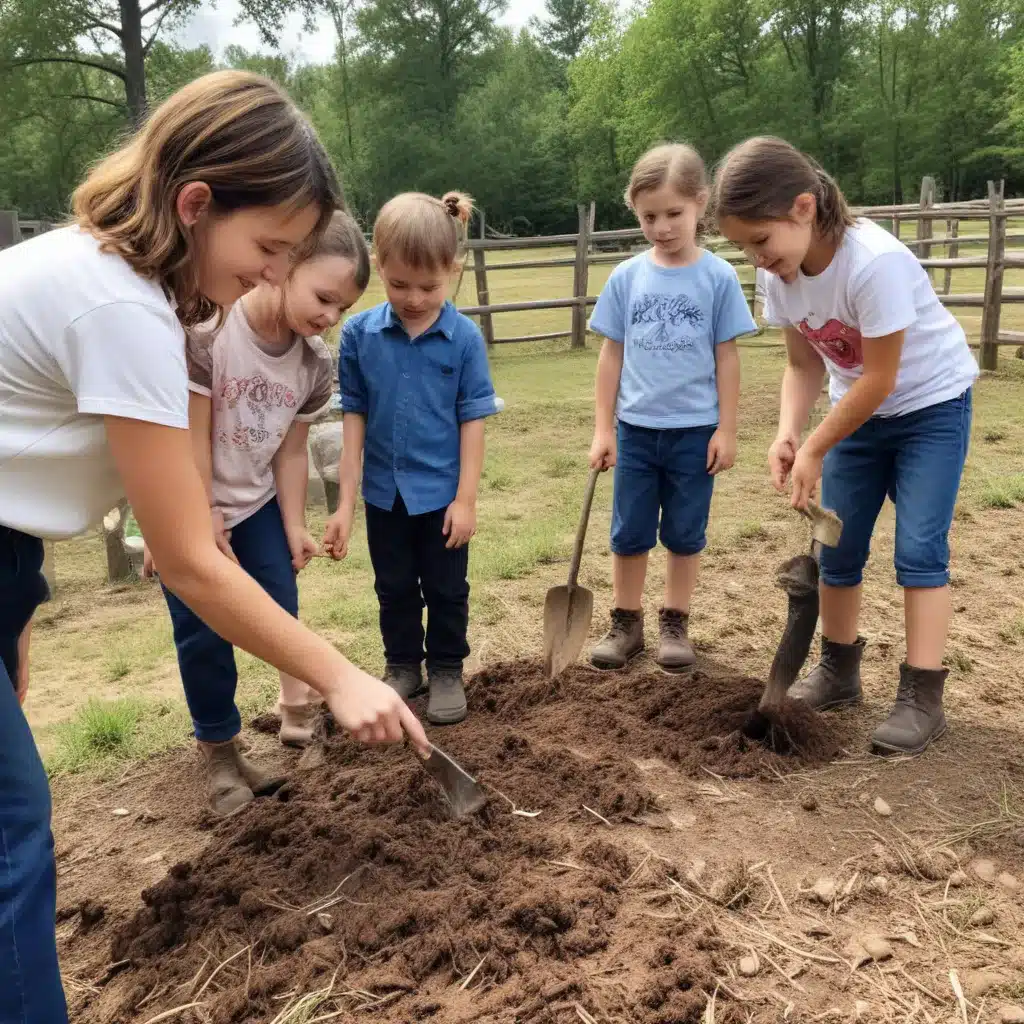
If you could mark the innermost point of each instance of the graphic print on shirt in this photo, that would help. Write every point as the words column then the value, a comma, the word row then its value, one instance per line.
column 669, row 316
column 836, row 341
column 249, row 430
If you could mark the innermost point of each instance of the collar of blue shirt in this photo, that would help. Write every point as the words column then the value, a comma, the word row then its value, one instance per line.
column 444, row 324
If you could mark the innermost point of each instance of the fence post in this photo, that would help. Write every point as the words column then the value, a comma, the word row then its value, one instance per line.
column 580, row 277
column 925, row 227
column 483, row 295
column 119, row 566
column 993, row 277
column 10, row 231
column 49, row 569
column 952, row 251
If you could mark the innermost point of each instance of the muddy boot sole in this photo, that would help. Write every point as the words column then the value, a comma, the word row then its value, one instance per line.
column 834, row 705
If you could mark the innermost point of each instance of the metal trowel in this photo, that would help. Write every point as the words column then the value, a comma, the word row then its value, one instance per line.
column 461, row 790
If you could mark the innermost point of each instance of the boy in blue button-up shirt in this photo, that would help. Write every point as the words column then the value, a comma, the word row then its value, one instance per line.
column 415, row 390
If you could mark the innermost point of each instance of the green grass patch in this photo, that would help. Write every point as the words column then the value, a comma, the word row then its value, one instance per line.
column 1005, row 492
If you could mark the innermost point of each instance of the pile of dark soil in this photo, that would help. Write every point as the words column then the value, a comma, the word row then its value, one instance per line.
column 354, row 881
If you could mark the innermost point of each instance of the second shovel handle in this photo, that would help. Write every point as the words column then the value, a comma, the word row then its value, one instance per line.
column 581, row 530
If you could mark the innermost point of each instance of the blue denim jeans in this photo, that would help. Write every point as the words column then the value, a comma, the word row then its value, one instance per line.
column 661, row 474
column 206, row 661
column 30, row 986
column 917, row 460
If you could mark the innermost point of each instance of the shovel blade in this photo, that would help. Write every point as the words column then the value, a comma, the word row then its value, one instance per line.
column 462, row 791
column 567, row 615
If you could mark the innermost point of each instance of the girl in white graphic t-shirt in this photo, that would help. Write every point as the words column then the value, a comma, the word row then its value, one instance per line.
column 852, row 300
column 256, row 382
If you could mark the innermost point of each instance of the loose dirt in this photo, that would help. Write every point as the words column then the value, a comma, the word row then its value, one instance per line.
column 355, row 879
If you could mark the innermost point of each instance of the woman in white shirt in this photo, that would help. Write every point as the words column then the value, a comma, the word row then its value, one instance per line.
column 220, row 189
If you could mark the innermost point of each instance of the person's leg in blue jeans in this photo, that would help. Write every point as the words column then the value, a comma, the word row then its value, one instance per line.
column 931, row 449
column 30, row 985
column 857, row 473
column 635, row 504
column 685, row 491
column 207, row 662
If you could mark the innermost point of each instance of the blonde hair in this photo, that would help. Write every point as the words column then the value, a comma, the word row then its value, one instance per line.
column 761, row 178
column 674, row 164
column 235, row 131
column 423, row 232
column 344, row 237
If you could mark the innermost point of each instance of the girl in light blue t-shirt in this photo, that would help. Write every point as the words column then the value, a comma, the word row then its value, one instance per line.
column 669, row 372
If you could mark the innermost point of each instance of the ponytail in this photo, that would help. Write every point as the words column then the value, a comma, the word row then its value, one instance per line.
column 761, row 178
column 424, row 232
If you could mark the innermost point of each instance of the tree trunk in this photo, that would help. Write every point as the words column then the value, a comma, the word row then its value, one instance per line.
column 119, row 565
column 134, row 60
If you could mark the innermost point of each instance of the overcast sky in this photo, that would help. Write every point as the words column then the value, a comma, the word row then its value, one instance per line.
column 215, row 27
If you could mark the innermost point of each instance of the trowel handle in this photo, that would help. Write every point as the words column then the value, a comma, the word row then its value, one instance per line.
column 581, row 530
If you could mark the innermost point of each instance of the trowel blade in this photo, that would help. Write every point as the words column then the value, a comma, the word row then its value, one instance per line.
column 463, row 791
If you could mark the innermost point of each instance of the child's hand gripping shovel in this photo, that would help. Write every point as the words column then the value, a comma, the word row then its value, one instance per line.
column 798, row 577
column 568, row 610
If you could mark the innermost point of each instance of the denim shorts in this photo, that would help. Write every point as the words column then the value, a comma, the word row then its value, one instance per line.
column 917, row 460
column 661, row 474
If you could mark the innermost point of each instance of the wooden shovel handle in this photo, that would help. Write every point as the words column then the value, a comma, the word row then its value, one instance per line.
column 581, row 530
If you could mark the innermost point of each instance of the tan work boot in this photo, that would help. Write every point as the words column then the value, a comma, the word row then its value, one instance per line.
column 228, row 792
column 675, row 652
column 835, row 681
column 297, row 723
column 405, row 680
column 917, row 717
column 623, row 642
column 260, row 782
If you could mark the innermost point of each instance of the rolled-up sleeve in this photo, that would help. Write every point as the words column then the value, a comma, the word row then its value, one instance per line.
column 476, row 399
column 350, row 376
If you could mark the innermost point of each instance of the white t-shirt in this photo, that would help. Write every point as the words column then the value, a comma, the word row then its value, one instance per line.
column 875, row 286
column 82, row 336
column 256, row 396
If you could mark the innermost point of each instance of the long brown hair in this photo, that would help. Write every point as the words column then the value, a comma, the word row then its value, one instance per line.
column 761, row 178
column 237, row 132
column 423, row 232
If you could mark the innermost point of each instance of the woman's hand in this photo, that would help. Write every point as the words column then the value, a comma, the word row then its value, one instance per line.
column 373, row 713
column 805, row 474
column 781, row 456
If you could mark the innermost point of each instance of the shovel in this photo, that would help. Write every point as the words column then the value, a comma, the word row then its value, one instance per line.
column 568, row 609
column 799, row 579
column 462, row 791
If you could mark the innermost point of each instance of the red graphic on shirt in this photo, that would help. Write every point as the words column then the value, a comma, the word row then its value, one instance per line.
column 835, row 341
column 249, row 431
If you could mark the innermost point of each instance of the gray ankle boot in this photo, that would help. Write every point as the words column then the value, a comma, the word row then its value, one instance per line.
column 917, row 717
column 835, row 681
column 623, row 642
column 405, row 680
column 447, row 704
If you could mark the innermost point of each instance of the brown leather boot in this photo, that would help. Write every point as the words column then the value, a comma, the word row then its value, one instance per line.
column 675, row 652
column 917, row 717
column 623, row 642
column 835, row 681
column 260, row 782
column 227, row 791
